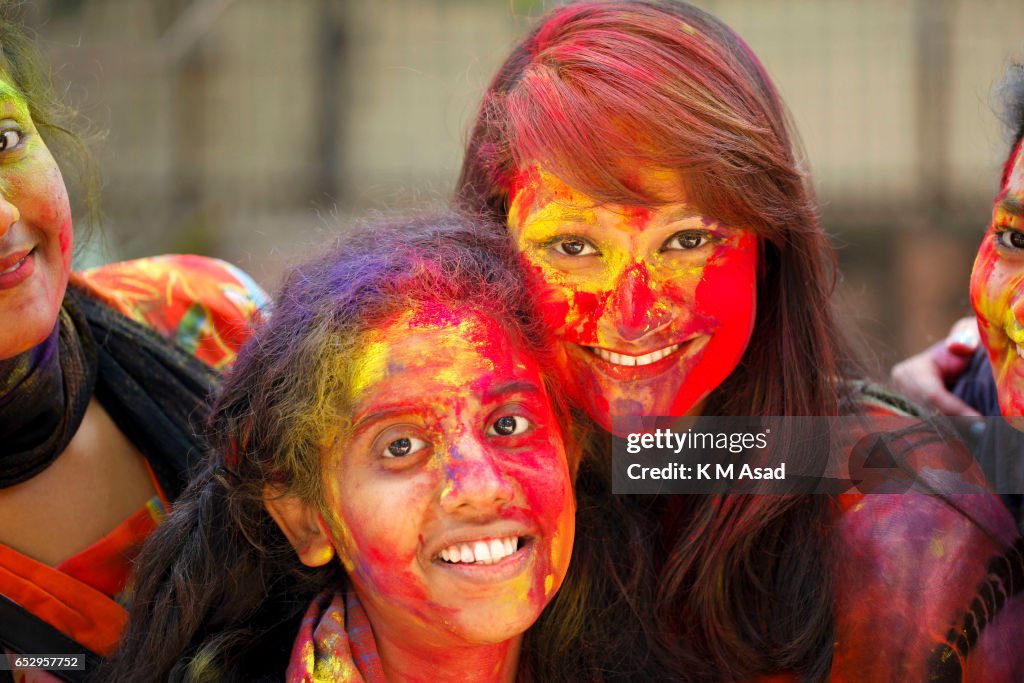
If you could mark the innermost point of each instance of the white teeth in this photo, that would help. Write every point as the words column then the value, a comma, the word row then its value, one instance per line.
column 1020, row 351
column 480, row 552
column 634, row 361
column 14, row 267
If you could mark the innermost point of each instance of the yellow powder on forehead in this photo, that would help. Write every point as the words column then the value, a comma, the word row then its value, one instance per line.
column 374, row 356
column 471, row 331
column 371, row 366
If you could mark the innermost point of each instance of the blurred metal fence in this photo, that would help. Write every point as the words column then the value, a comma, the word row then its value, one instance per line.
column 241, row 127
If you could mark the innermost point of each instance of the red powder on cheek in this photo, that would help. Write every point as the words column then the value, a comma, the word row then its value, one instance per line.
column 588, row 309
column 66, row 236
column 390, row 574
column 984, row 264
column 726, row 294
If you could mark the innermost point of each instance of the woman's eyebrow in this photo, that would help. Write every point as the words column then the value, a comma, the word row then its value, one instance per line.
column 365, row 419
column 557, row 216
column 9, row 92
column 1011, row 205
column 682, row 214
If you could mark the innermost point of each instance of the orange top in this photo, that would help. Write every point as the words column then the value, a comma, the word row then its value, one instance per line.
column 205, row 306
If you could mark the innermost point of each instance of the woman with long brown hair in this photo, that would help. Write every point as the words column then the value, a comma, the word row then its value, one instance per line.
column 642, row 161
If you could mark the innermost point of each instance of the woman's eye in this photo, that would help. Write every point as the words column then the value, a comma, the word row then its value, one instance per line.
column 688, row 239
column 407, row 445
column 509, row 425
column 9, row 139
column 573, row 246
column 1011, row 239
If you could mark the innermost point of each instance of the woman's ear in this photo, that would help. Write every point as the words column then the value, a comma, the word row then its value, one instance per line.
column 299, row 522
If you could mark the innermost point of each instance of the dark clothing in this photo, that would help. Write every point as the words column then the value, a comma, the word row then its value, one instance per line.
column 1000, row 449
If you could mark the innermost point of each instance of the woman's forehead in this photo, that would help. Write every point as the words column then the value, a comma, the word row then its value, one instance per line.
column 9, row 93
column 652, row 186
column 433, row 349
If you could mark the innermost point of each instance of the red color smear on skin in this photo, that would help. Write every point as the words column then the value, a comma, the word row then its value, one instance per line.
column 589, row 309
column 1008, row 169
column 635, row 301
column 723, row 294
column 987, row 258
column 638, row 217
column 524, row 187
column 392, row 573
column 66, row 236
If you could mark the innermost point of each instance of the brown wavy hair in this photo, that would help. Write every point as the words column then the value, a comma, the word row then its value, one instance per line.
column 597, row 90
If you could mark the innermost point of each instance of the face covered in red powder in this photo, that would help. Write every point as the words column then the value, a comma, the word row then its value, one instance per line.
column 997, row 291
column 451, row 500
column 652, row 308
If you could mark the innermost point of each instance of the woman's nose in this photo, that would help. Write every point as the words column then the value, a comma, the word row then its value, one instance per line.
column 474, row 482
column 635, row 308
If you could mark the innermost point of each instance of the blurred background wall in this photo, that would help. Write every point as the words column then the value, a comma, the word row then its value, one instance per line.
column 251, row 129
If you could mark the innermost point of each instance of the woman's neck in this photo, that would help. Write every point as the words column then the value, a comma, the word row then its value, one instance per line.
column 405, row 660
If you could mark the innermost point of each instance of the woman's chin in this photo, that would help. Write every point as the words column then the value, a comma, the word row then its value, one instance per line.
column 29, row 331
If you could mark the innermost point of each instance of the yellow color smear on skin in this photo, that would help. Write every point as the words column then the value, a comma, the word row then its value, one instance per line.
column 373, row 366
column 469, row 331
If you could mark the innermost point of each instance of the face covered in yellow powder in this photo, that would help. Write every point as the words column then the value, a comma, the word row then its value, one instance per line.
column 452, row 502
column 651, row 308
column 997, row 291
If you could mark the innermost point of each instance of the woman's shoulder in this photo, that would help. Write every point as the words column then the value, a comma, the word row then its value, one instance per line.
column 921, row 582
column 864, row 397
column 205, row 305
column 924, row 583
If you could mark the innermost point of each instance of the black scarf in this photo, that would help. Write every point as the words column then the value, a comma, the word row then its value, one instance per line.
column 154, row 391
column 43, row 396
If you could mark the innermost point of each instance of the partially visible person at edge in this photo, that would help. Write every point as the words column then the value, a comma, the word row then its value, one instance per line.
column 103, row 377
column 997, row 290
column 640, row 157
column 388, row 497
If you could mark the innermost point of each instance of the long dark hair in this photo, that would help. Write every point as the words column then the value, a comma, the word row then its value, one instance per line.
column 597, row 89
column 219, row 589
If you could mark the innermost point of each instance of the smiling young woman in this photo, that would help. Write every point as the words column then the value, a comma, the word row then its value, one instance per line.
column 391, row 493
column 101, row 377
column 642, row 161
